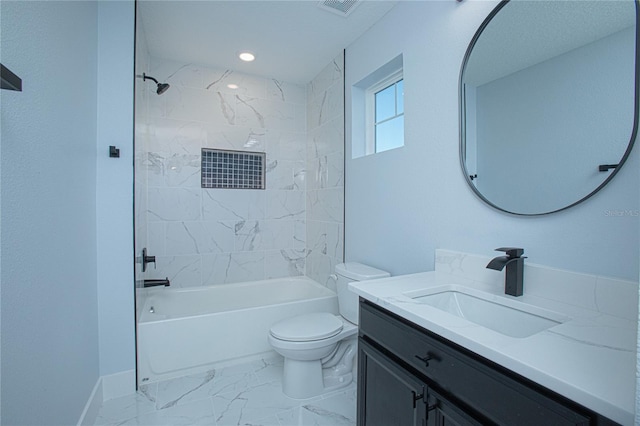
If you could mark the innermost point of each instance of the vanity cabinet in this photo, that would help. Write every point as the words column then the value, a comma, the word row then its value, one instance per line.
column 395, row 396
column 410, row 376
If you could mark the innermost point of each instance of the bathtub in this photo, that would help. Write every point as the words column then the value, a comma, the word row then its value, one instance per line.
column 190, row 330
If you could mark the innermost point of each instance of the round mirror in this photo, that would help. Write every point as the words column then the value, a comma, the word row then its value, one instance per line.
column 548, row 102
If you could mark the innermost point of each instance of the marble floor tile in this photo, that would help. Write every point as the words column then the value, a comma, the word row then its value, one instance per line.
column 338, row 409
column 192, row 388
column 198, row 413
column 269, row 369
column 252, row 404
column 119, row 411
column 247, row 394
column 335, row 409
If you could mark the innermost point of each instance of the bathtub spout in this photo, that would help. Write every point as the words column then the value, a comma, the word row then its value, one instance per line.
column 154, row 283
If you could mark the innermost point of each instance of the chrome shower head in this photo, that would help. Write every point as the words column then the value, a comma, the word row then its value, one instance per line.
column 162, row 87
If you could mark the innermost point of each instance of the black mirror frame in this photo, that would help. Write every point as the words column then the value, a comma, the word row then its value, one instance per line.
column 462, row 116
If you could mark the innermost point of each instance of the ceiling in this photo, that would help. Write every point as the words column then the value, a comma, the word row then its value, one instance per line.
column 293, row 40
column 525, row 33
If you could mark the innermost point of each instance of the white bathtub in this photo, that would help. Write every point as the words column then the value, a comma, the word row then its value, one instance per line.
column 189, row 330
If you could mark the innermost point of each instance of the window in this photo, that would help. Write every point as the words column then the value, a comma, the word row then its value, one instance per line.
column 377, row 110
column 386, row 114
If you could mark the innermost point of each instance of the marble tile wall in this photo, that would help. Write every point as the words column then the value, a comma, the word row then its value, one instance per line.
column 325, row 172
column 212, row 236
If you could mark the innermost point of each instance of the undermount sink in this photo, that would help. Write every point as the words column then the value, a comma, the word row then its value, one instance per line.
column 511, row 318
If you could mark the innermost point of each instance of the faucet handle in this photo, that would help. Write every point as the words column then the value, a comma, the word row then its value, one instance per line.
column 512, row 252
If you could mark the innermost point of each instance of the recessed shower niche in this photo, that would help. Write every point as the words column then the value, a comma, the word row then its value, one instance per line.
column 232, row 169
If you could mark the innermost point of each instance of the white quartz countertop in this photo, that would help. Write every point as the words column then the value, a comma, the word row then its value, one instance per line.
column 589, row 359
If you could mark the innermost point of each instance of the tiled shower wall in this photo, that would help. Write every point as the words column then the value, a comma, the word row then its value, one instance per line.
column 325, row 172
column 212, row 236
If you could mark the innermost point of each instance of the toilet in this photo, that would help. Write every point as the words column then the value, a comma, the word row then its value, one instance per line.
column 319, row 349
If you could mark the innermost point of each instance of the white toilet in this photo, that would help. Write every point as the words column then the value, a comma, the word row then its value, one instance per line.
column 319, row 348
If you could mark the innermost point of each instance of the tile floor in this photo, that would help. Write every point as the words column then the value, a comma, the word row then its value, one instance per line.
column 246, row 394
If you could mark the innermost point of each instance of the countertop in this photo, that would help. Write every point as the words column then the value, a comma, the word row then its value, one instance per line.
column 590, row 358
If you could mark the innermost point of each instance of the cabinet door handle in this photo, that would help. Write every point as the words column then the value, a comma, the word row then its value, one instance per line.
column 417, row 397
column 425, row 359
column 430, row 408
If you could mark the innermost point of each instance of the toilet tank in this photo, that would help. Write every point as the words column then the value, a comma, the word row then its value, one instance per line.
column 349, row 272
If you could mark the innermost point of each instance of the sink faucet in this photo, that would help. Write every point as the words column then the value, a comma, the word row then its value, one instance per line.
column 514, row 261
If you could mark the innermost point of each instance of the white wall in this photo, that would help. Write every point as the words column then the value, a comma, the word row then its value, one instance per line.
column 49, row 304
column 421, row 201
column 114, row 187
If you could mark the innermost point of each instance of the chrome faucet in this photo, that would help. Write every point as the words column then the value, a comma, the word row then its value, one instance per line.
column 514, row 261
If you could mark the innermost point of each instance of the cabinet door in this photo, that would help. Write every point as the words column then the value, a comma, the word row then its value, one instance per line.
column 441, row 412
column 387, row 394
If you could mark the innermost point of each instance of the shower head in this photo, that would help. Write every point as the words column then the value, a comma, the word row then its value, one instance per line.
column 162, row 87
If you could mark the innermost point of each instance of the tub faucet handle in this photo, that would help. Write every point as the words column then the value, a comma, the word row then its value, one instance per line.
column 147, row 259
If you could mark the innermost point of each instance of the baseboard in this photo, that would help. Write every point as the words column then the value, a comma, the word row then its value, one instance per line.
column 118, row 384
column 92, row 407
column 106, row 388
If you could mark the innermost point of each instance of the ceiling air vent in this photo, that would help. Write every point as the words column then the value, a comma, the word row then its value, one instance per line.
column 339, row 7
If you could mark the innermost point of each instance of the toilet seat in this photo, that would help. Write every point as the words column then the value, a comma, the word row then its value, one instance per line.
column 309, row 327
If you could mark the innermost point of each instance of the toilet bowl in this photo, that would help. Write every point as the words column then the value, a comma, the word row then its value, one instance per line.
column 319, row 349
column 307, row 372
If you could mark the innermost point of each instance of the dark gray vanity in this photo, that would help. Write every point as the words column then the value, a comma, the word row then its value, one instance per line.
column 408, row 375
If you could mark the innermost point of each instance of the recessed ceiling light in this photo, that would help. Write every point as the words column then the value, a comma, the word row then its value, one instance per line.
column 232, row 86
column 247, row 56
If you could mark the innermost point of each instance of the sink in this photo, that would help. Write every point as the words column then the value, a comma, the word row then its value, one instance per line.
column 511, row 318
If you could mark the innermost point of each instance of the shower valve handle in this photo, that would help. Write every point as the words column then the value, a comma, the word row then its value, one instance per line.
column 147, row 259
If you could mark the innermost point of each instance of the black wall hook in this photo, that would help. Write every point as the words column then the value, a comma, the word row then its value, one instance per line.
column 606, row 167
column 114, row 152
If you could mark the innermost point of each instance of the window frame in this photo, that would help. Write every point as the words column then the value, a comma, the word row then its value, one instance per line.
column 370, row 107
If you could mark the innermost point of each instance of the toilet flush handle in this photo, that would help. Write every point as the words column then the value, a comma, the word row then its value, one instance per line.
column 334, row 277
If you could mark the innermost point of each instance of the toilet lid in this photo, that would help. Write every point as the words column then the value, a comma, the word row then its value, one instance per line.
column 307, row 327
